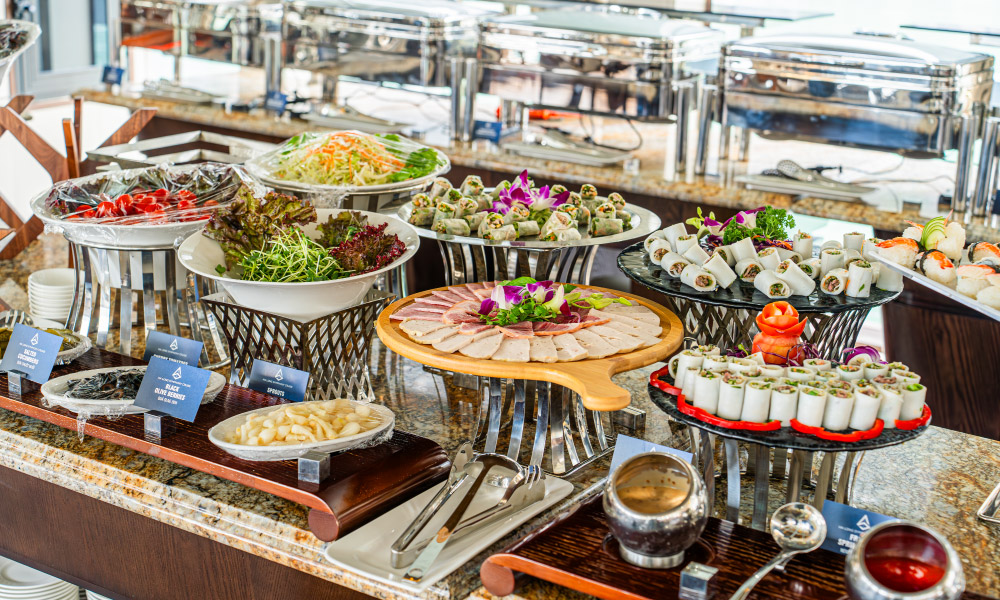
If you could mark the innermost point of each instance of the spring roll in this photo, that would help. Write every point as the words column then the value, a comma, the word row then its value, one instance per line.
column 784, row 404
column 556, row 221
column 874, row 369
column 476, row 219
column 801, row 373
column 503, row 234
column 867, row 402
column 723, row 274
column 796, row 278
column 685, row 242
column 812, row 405
column 466, row 206
column 453, row 227
column 696, row 254
column 769, row 258
column 600, row 227
column 772, row 370
column 854, row 241
column 786, row 254
column 423, row 201
column 839, row 404
column 567, row 235
column 914, row 396
column 689, row 379
column 830, row 259
column 698, row 278
column 803, row 244
column 674, row 264
column 673, row 232
column 756, row 402
column 859, row 279
column 657, row 250
column 490, row 221
column 831, row 244
column 716, row 363
column 834, row 282
column 687, row 359
column 748, row 269
column 452, row 196
column 850, row 372
column 726, row 253
column 526, row 228
column 892, row 405
column 769, row 284
column 472, row 186
column 656, row 235
column 422, row 216
column 706, row 391
column 731, row 392
column 811, row 267
column 743, row 250
column 905, row 377
column 445, row 210
column 606, row 210
column 439, row 188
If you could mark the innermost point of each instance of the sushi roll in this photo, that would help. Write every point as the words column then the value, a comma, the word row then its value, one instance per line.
column 811, row 267
column 983, row 252
column 830, row 259
column 725, row 253
column 769, row 258
column 673, row 232
column 953, row 241
column 695, row 254
column 801, row 283
column 837, row 414
column 756, row 402
column 743, row 250
column 772, row 370
column 472, row 186
column 716, row 363
column 831, row 244
column 673, row 264
column 698, row 278
column 854, row 241
column 834, row 282
column 892, row 404
column 818, row 364
column 859, row 279
column 801, row 373
column 685, row 242
column 439, row 188
column 803, row 244
column 656, row 235
column 936, row 266
column 657, row 249
column 731, row 392
column 867, row 402
column 973, row 278
column 902, row 251
column 850, row 372
column 914, row 396
column 769, row 284
column 784, row 404
column 748, row 269
column 873, row 370
column 990, row 296
column 723, row 274
column 706, row 391
column 812, row 405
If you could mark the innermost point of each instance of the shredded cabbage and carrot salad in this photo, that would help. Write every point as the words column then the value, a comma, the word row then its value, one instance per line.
column 353, row 158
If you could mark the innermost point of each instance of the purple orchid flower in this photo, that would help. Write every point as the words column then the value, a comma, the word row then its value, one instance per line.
column 507, row 296
column 746, row 217
column 535, row 199
column 540, row 291
column 487, row 307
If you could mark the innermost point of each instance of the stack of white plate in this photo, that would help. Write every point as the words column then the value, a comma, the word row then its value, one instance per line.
column 18, row 582
column 50, row 293
column 94, row 596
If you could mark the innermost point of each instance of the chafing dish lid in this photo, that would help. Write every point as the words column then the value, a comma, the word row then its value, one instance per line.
column 863, row 52
column 424, row 12
column 608, row 28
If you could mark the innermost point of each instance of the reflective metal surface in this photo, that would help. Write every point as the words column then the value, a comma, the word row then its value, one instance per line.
column 593, row 62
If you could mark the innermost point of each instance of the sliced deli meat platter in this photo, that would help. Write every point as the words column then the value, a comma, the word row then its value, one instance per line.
column 576, row 336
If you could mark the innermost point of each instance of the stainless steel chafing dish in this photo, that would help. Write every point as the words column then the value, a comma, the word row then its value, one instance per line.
column 223, row 30
column 857, row 90
column 595, row 62
column 380, row 40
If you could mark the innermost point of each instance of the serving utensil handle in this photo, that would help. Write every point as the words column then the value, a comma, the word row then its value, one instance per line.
column 748, row 585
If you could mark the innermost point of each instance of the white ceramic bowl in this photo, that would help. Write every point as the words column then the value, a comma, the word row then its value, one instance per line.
column 221, row 432
column 57, row 278
column 301, row 301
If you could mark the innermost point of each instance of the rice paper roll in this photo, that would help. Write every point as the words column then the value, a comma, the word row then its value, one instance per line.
column 812, row 406
column 657, row 250
column 706, row 391
column 466, row 206
column 475, row 219
column 784, row 404
column 834, row 282
column 673, row 232
column 444, row 210
column 803, row 244
column 583, row 215
column 588, row 191
column 867, row 402
column 439, row 188
column 769, row 258
column 756, row 402
column 830, row 259
column 503, row 185
column 723, row 274
column 422, row 216
column 698, row 278
column 837, row 415
column 556, row 190
column 453, row 227
column 600, row 227
column 568, row 235
column 726, row 253
column 696, row 254
column 801, row 283
column 674, row 264
column 423, row 201
column 892, row 405
column 472, row 186
column 556, row 222
column 685, row 242
column 606, row 210
column 484, row 202
column 452, row 196
column 859, row 279
column 490, row 221
column 743, row 250
column 519, row 212
column 748, row 269
column 526, row 228
column 889, row 279
column 656, row 235
column 503, row 234
column 811, row 267
column 569, row 209
column 575, row 199
column 769, row 284
column 854, row 241
column 731, row 392
column 914, row 396
column 617, row 200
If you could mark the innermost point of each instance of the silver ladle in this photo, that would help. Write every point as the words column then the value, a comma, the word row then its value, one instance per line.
column 797, row 528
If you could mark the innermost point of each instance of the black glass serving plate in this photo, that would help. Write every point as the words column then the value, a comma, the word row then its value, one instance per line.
column 634, row 262
column 786, row 437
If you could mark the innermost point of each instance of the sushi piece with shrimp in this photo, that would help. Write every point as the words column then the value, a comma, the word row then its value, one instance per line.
column 973, row 278
column 990, row 296
column 901, row 250
column 935, row 265
column 983, row 252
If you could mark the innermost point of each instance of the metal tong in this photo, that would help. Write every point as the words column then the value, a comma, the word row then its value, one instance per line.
column 526, row 487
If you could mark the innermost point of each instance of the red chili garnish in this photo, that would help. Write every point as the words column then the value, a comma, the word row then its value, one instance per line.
column 703, row 415
column 912, row 424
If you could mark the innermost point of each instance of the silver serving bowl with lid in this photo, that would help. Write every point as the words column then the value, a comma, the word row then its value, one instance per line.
column 657, row 507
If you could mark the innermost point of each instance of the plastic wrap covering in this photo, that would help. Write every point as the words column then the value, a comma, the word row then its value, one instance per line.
column 15, row 37
column 154, row 207
column 348, row 162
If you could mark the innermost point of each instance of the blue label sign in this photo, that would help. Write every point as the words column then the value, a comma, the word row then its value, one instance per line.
column 845, row 525
column 112, row 75
column 173, row 348
column 626, row 447
column 487, row 130
column 279, row 381
column 173, row 388
column 31, row 352
column 276, row 101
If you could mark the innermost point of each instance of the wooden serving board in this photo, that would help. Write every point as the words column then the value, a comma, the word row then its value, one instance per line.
column 591, row 378
column 362, row 485
column 578, row 551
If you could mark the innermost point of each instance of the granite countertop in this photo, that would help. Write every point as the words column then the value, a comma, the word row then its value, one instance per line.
column 648, row 181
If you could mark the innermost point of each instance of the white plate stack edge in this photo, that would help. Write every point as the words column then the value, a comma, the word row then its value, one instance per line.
column 19, row 582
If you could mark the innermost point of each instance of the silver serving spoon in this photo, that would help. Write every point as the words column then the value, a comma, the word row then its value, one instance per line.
column 797, row 528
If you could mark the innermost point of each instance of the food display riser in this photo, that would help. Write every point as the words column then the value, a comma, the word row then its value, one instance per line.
column 333, row 349
column 362, row 484
column 123, row 288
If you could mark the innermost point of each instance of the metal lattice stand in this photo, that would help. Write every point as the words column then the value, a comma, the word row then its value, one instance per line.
column 333, row 349
column 121, row 288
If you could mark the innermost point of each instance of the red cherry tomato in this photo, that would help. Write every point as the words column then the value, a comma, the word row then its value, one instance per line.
column 123, row 204
column 161, row 193
column 89, row 214
column 210, row 203
column 106, row 209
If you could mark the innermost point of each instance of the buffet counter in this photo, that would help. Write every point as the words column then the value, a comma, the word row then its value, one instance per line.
column 476, row 157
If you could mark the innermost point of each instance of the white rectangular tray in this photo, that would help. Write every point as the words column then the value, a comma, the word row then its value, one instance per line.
column 941, row 289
